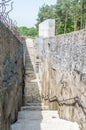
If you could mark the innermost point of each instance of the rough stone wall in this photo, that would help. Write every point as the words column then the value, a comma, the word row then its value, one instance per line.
column 11, row 74
column 62, row 71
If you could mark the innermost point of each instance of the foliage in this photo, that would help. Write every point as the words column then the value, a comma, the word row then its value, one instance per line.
column 70, row 15
column 45, row 12
column 28, row 32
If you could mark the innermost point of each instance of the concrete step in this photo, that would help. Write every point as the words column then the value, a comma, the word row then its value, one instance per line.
column 31, row 108
column 42, row 120
column 35, row 104
column 39, row 115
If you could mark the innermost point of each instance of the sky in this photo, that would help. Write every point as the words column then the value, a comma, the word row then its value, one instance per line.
column 25, row 11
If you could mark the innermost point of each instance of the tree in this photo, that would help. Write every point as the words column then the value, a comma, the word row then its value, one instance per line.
column 32, row 32
column 75, row 9
column 23, row 31
column 45, row 12
column 63, row 9
column 28, row 32
column 70, row 15
column 83, row 13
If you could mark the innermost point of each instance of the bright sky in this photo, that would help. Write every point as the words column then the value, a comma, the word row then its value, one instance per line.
column 25, row 11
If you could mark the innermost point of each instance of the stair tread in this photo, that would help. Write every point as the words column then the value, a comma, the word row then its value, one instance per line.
column 34, row 107
column 34, row 104
column 42, row 120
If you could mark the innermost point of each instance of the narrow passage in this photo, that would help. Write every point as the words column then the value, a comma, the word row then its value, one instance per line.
column 35, row 115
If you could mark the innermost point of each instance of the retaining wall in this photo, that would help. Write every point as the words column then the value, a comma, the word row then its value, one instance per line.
column 62, row 72
column 11, row 77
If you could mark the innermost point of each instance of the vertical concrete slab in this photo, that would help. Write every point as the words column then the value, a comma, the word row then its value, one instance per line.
column 47, row 28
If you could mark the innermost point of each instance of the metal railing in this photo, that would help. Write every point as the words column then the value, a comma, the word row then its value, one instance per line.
column 65, row 101
column 6, row 6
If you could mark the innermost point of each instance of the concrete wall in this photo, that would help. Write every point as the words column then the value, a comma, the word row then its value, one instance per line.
column 11, row 74
column 62, row 72
column 47, row 28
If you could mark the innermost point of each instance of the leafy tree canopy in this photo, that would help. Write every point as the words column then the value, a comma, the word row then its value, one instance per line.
column 70, row 15
column 28, row 32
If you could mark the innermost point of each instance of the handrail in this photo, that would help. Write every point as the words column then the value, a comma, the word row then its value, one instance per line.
column 62, row 102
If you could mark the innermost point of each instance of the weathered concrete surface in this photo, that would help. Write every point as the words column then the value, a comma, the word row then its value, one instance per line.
column 47, row 28
column 62, row 72
column 11, row 77
column 33, row 116
column 32, row 90
column 42, row 120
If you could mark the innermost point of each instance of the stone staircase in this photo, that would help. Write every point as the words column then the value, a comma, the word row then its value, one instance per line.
column 35, row 115
column 35, row 106
column 32, row 89
column 34, row 118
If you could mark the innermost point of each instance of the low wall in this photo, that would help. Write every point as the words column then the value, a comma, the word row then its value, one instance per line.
column 62, row 72
column 11, row 77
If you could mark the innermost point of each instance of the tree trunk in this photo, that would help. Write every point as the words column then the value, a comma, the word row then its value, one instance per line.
column 65, row 26
column 83, row 17
column 75, row 22
column 83, row 4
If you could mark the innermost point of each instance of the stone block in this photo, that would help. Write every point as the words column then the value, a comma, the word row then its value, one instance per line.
column 47, row 28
